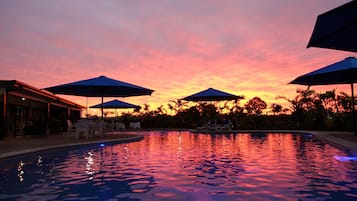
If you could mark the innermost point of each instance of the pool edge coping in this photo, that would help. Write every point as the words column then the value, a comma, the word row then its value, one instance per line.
column 33, row 150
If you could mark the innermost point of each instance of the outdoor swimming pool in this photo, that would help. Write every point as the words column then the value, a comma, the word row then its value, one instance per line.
column 177, row 165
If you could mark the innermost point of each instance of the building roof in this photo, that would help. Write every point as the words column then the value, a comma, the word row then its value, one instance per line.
column 21, row 89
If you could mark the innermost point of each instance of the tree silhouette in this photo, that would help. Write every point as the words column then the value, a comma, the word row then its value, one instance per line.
column 276, row 108
column 160, row 110
column 344, row 102
column 309, row 110
column 255, row 106
column 236, row 108
column 177, row 105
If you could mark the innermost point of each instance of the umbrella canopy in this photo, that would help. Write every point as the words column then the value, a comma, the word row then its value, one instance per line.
column 211, row 94
column 342, row 72
column 115, row 104
column 336, row 29
column 100, row 87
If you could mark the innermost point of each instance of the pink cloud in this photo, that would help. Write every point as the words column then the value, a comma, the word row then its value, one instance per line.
column 174, row 47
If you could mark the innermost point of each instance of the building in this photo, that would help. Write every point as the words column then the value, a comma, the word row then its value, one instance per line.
column 26, row 110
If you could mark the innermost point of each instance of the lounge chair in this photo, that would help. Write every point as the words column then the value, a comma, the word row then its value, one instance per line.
column 226, row 125
column 207, row 126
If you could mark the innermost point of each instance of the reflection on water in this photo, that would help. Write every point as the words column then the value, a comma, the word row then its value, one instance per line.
column 20, row 171
column 89, row 165
column 185, row 166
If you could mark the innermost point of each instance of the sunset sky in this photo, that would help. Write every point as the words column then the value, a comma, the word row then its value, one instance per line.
column 175, row 47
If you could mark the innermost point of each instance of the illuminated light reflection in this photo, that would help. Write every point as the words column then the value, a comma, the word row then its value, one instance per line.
column 126, row 150
column 20, row 171
column 89, row 165
column 345, row 158
column 39, row 161
column 102, row 145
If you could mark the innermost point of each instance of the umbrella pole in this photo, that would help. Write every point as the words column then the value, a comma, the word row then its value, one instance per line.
column 102, row 109
column 86, row 107
column 353, row 110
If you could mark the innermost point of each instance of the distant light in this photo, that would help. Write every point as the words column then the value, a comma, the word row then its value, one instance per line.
column 102, row 145
column 23, row 98
column 345, row 158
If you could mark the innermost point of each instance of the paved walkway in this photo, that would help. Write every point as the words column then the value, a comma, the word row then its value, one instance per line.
column 21, row 145
column 346, row 140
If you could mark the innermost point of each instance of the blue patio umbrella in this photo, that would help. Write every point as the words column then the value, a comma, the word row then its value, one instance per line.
column 342, row 72
column 211, row 94
column 336, row 29
column 115, row 104
column 100, row 87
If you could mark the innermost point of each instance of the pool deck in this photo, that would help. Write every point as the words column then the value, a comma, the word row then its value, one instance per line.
column 26, row 144
column 344, row 140
column 21, row 145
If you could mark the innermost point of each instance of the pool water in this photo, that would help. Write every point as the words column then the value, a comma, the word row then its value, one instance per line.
column 179, row 165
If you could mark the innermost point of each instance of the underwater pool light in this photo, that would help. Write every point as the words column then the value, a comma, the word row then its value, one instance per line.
column 102, row 145
column 345, row 158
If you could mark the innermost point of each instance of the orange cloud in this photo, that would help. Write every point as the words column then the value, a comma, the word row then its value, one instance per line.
column 176, row 48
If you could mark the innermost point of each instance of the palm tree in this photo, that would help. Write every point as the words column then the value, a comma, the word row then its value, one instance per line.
column 236, row 108
column 160, row 110
column 177, row 105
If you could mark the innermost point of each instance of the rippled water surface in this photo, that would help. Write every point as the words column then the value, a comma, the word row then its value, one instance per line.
column 184, row 166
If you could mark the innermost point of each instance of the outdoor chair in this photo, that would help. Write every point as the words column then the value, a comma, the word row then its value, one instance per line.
column 20, row 127
column 107, row 126
column 94, row 127
column 70, row 128
column 120, row 126
column 134, row 125
column 84, row 126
